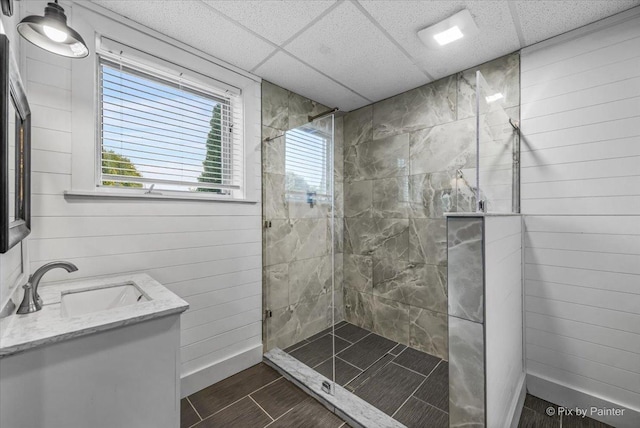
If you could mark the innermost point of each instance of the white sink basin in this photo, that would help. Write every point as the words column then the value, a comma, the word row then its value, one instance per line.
column 81, row 302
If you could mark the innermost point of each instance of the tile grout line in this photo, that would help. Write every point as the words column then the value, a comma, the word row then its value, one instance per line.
column 417, row 388
column 409, row 397
column 194, row 408
column 224, row 408
column 282, row 415
column 372, row 364
column 368, row 367
column 345, row 361
column 413, row 371
column 341, row 338
column 265, row 385
column 429, row 404
column 256, row 403
column 353, row 343
column 238, row 400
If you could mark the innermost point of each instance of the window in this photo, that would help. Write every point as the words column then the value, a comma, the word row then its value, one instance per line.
column 308, row 163
column 161, row 132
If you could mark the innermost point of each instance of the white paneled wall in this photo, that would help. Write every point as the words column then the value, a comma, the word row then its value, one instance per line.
column 208, row 253
column 581, row 196
column 503, row 319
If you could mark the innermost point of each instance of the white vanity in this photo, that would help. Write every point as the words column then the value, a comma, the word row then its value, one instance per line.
column 101, row 353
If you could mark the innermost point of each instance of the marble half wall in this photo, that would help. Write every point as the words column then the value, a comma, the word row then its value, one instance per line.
column 486, row 373
column 298, row 238
column 467, row 374
column 402, row 162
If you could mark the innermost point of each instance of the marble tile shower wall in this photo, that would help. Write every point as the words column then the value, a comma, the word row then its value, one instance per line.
column 297, row 247
column 400, row 161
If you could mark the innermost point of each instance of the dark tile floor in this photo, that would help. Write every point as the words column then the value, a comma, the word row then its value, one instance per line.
column 534, row 415
column 409, row 385
column 255, row 398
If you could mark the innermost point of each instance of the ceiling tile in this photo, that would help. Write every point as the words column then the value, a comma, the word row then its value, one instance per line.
column 403, row 19
column 194, row 23
column 345, row 45
column 274, row 20
column 541, row 19
column 286, row 71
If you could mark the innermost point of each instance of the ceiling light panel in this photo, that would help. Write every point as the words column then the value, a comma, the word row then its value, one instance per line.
column 497, row 35
column 449, row 30
column 448, row 36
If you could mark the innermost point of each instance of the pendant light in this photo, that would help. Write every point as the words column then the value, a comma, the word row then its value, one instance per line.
column 51, row 32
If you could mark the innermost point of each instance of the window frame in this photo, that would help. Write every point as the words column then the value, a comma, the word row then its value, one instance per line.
column 158, row 50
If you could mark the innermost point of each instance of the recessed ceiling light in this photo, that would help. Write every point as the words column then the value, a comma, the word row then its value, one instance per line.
column 495, row 97
column 448, row 36
column 456, row 27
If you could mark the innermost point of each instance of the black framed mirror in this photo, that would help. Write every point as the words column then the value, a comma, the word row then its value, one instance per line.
column 7, row 7
column 15, row 153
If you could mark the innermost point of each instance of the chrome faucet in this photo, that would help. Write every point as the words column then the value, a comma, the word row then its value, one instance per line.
column 32, row 302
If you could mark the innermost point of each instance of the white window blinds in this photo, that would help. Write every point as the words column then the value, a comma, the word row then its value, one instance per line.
column 165, row 131
column 307, row 162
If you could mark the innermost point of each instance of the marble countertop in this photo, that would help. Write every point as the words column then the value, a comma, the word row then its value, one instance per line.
column 19, row 333
column 479, row 214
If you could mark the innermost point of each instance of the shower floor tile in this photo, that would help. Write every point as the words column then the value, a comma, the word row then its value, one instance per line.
column 417, row 361
column 386, row 374
column 319, row 350
column 435, row 390
column 373, row 369
column 388, row 389
column 367, row 351
column 418, row 414
column 345, row 372
column 409, row 385
column 351, row 333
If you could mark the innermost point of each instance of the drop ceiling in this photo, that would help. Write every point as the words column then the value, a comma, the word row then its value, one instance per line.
column 351, row 53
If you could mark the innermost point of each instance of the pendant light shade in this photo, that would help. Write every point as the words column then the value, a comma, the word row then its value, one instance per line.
column 51, row 32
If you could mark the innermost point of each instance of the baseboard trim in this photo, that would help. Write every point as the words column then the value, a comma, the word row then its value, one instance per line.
column 566, row 396
column 219, row 370
column 518, row 402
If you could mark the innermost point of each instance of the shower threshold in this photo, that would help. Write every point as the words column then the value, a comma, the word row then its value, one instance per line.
column 379, row 383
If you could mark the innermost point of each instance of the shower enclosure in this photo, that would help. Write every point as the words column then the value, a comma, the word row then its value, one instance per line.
column 300, row 234
column 355, row 279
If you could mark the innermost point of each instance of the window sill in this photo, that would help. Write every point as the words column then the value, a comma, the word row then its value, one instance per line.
column 100, row 194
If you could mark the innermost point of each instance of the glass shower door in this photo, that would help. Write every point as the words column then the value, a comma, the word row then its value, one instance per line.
column 299, row 264
column 497, row 150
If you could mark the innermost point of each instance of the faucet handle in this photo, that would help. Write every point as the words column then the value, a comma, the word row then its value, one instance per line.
column 29, row 303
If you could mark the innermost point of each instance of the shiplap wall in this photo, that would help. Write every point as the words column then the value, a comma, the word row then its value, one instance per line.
column 503, row 318
column 208, row 253
column 581, row 196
